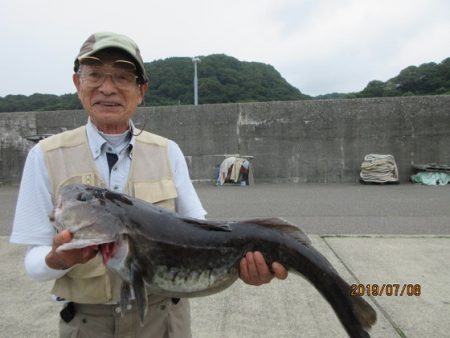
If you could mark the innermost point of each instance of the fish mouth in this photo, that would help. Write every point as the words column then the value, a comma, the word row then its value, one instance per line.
column 108, row 250
column 86, row 243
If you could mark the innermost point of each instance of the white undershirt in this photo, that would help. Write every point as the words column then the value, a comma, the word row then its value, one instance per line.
column 31, row 223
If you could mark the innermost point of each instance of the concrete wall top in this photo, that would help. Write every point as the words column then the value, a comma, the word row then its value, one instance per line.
column 301, row 141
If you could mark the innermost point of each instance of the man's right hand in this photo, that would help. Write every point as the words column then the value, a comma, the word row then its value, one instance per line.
column 66, row 259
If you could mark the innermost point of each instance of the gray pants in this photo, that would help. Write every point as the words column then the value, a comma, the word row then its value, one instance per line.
column 163, row 320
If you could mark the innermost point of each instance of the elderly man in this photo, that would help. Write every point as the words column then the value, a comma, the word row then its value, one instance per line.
column 108, row 151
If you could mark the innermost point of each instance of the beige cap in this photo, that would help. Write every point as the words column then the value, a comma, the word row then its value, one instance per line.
column 103, row 40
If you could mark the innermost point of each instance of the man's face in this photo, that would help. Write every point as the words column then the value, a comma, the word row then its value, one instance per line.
column 109, row 106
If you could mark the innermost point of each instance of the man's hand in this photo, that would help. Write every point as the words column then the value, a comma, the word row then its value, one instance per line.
column 255, row 271
column 65, row 259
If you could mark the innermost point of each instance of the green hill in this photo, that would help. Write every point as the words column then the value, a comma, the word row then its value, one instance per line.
column 427, row 79
column 36, row 102
column 221, row 79
column 224, row 79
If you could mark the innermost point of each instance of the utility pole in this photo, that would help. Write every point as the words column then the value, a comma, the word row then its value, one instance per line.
column 195, row 60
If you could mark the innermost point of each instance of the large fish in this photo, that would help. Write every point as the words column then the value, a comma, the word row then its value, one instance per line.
column 159, row 252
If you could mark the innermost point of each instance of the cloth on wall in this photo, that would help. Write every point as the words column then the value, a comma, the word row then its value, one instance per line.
column 234, row 170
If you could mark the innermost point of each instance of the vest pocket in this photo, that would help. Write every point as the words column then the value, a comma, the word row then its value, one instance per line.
column 162, row 192
column 92, row 268
column 85, row 283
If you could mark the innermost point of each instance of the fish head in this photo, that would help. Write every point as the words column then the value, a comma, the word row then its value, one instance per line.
column 90, row 214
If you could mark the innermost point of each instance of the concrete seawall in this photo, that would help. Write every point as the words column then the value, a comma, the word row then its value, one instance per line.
column 299, row 141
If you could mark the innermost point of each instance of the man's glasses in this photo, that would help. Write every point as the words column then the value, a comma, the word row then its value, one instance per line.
column 93, row 72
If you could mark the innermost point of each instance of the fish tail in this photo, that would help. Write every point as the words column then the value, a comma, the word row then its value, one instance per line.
column 365, row 314
column 355, row 314
column 362, row 310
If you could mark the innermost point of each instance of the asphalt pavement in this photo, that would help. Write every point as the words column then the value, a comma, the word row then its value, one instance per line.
column 390, row 237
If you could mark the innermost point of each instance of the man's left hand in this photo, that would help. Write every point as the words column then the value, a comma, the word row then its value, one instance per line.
column 255, row 271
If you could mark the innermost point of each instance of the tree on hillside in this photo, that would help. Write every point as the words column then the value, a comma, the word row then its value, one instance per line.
column 427, row 79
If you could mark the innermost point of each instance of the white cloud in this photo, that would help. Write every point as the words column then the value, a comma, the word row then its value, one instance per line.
column 318, row 46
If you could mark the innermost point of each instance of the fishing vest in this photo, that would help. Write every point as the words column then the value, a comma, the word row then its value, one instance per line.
column 69, row 160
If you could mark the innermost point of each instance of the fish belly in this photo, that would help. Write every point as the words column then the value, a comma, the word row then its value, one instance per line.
column 176, row 281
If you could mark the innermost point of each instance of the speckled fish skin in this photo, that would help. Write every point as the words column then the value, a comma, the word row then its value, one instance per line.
column 158, row 252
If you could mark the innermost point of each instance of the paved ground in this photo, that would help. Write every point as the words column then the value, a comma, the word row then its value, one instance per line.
column 337, row 208
column 371, row 234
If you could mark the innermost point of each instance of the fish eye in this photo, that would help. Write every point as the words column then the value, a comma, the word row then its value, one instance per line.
column 84, row 196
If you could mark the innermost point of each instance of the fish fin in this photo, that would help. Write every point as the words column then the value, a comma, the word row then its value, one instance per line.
column 365, row 313
column 282, row 225
column 140, row 293
column 208, row 224
column 125, row 296
column 362, row 310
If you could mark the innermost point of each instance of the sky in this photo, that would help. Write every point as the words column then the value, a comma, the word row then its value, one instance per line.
column 320, row 47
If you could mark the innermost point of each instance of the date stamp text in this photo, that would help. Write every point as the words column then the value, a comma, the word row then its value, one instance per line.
column 393, row 289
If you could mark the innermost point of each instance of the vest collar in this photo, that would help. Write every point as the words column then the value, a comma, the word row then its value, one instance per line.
column 97, row 142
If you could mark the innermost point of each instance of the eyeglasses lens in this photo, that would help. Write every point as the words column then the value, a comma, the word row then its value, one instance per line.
column 93, row 72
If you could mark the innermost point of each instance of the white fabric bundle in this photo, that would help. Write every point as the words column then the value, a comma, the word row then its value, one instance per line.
column 379, row 168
